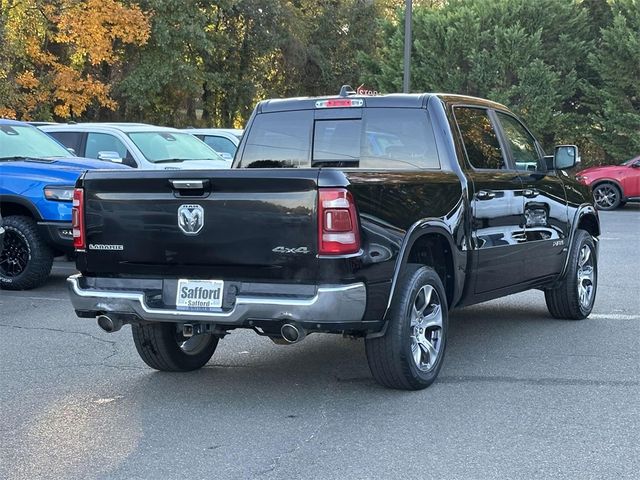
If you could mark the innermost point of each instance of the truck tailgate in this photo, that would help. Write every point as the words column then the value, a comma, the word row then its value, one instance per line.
column 242, row 224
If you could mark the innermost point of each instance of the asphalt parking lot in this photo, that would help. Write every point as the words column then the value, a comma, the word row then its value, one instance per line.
column 521, row 395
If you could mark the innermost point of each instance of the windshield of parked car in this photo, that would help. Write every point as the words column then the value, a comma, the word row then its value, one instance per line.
column 29, row 142
column 633, row 160
column 159, row 147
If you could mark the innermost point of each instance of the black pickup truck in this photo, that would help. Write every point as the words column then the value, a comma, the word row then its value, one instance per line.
column 365, row 216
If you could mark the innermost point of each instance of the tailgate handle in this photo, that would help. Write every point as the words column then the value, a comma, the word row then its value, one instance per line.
column 187, row 184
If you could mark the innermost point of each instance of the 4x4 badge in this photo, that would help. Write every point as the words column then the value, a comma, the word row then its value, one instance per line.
column 290, row 250
column 190, row 219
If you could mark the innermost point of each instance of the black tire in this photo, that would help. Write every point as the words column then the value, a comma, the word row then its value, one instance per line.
column 564, row 301
column 391, row 359
column 159, row 346
column 25, row 260
column 607, row 196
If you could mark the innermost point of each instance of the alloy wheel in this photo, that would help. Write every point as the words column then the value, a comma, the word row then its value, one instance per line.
column 426, row 328
column 586, row 276
column 606, row 196
column 16, row 253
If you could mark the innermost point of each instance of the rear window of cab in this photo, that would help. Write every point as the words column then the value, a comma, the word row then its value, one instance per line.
column 383, row 138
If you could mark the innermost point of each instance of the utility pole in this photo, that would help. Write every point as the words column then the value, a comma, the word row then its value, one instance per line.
column 407, row 45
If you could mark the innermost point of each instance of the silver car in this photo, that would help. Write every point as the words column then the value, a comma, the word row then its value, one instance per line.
column 225, row 141
column 138, row 145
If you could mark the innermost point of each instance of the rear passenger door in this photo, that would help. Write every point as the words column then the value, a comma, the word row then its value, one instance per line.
column 545, row 206
column 497, row 205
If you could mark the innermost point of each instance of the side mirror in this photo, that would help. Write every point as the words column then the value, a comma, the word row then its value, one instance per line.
column 72, row 151
column 565, row 157
column 110, row 156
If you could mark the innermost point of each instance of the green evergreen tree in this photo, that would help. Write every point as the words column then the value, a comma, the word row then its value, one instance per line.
column 615, row 91
column 521, row 53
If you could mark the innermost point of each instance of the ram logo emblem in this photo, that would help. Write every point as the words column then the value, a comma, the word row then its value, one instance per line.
column 190, row 219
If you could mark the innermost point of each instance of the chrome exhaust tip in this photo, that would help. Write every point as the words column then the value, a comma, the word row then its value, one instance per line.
column 292, row 333
column 109, row 324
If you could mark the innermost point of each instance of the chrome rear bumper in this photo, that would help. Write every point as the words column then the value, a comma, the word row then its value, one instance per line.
column 331, row 304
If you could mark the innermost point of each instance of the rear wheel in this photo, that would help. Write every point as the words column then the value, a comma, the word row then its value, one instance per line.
column 410, row 354
column 25, row 260
column 574, row 297
column 607, row 196
column 163, row 347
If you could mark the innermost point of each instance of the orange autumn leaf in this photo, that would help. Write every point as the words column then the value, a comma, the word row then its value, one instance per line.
column 27, row 80
column 7, row 113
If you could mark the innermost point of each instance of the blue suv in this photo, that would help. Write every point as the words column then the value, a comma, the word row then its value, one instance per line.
column 37, row 176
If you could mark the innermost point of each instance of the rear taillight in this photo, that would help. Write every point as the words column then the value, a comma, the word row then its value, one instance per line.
column 77, row 219
column 338, row 230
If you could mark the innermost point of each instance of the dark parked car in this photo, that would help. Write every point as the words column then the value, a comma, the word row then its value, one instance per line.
column 365, row 216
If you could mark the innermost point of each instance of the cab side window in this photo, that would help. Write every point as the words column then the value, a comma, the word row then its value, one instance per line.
column 219, row 144
column 479, row 138
column 103, row 142
column 522, row 144
column 71, row 140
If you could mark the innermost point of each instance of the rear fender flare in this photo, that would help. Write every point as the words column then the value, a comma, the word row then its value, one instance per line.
column 583, row 210
column 417, row 230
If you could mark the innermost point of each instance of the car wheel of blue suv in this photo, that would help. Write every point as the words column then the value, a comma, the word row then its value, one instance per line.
column 25, row 260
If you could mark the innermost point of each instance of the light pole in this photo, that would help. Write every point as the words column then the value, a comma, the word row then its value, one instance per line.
column 407, row 45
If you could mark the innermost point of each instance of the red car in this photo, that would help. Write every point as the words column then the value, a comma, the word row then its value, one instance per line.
column 613, row 185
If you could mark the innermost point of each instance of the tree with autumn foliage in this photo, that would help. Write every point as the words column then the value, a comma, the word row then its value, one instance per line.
column 570, row 68
column 59, row 58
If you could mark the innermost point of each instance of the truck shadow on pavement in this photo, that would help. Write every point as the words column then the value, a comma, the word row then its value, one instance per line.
column 483, row 340
column 497, row 339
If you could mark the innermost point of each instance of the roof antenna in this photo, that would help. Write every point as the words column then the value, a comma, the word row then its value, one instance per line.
column 347, row 90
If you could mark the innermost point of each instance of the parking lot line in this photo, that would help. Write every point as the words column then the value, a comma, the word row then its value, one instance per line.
column 613, row 316
column 59, row 299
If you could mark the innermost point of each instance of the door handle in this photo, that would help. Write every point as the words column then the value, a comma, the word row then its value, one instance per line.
column 485, row 195
column 530, row 192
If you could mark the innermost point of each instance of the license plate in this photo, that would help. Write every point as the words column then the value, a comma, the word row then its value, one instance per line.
column 199, row 294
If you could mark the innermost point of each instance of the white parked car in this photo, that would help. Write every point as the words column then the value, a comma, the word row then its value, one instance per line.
column 223, row 140
column 138, row 145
